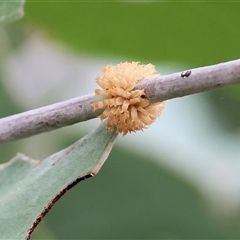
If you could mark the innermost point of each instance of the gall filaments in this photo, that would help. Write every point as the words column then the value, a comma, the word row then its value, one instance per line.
column 126, row 108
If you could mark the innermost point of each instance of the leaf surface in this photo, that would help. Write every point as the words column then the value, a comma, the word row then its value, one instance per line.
column 29, row 188
column 194, row 33
column 11, row 10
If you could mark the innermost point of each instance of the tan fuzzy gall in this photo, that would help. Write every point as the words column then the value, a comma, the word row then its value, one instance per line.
column 126, row 108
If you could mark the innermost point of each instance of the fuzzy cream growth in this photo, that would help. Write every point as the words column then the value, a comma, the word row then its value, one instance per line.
column 125, row 108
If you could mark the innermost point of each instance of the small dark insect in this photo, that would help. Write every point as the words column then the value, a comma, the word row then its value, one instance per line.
column 186, row 74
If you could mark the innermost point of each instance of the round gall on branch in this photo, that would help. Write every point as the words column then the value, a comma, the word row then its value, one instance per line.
column 125, row 108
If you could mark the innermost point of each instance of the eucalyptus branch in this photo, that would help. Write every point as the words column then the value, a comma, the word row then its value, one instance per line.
column 79, row 109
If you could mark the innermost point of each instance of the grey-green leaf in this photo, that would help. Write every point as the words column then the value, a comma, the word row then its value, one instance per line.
column 11, row 10
column 29, row 188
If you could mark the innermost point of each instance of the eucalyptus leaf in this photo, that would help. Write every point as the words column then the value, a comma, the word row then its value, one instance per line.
column 29, row 188
column 11, row 10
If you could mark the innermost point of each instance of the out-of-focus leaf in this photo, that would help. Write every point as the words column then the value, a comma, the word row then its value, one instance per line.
column 233, row 91
column 197, row 33
column 11, row 10
column 225, row 107
column 29, row 188
column 7, row 105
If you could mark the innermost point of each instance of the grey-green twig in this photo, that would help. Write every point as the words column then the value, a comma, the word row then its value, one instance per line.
column 79, row 109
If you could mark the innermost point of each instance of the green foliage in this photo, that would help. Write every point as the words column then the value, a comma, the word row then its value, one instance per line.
column 11, row 10
column 186, row 32
column 28, row 186
column 132, row 197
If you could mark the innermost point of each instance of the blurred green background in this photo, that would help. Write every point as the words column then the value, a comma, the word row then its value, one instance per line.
column 135, row 195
